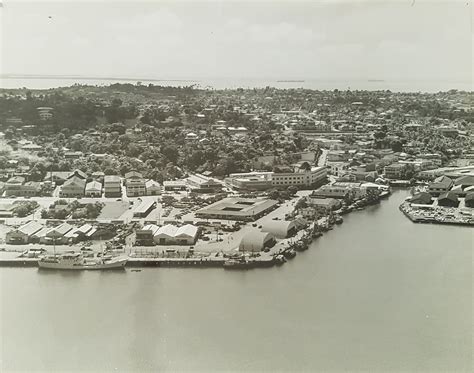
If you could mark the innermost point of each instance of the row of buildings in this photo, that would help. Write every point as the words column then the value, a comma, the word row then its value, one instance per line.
column 35, row 232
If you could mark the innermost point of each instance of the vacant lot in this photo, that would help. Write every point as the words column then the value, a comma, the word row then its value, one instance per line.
column 113, row 210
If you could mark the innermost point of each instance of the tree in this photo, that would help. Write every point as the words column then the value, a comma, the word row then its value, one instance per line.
column 171, row 153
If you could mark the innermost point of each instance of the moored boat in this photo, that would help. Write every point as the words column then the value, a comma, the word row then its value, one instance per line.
column 238, row 264
column 76, row 261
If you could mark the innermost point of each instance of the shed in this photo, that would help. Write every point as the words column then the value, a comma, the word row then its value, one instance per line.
column 256, row 241
column 449, row 199
column 280, row 228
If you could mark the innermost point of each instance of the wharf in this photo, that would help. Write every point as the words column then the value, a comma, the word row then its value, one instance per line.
column 428, row 218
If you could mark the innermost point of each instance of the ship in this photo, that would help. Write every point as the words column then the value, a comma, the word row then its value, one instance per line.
column 76, row 261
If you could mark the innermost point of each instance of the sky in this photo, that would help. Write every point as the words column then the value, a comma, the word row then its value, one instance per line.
column 334, row 40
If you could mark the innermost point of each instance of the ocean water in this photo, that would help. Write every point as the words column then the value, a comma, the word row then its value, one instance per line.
column 377, row 294
column 45, row 82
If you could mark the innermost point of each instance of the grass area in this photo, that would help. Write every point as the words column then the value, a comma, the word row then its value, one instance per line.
column 113, row 210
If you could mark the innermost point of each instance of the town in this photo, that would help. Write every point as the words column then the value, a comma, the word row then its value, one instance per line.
column 176, row 176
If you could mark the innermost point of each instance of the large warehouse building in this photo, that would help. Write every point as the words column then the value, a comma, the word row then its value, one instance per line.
column 242, row 209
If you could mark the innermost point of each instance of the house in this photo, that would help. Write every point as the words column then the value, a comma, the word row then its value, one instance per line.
column 469, row 200
column 152, row 188
column 93, row 189
column 255, row 240
column 440, row 185
column 280, row 228
column 78, row 173
column 112, row 186
column 16, row 186
column 23, row 234
column 73, row 187
column 422, row 198
column 448, row 199
column 172, row 235
column 174, row 185
column 57, row 177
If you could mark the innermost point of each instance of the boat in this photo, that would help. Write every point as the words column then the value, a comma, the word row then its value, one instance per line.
column 338, row 219
column 237, row 264
column 280, row 259
column 289, row 254
column 76, row 261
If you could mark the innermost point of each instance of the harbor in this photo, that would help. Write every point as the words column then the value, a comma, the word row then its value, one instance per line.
column 363, row 276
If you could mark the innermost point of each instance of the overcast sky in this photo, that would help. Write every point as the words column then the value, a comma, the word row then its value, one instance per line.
column 409, row 40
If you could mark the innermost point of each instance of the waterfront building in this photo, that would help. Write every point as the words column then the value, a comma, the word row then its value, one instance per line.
column 323, row 205
column 241, row 209
column 255, row 240
column 73, row 187
column 440, row 185
column 172, row 235
column 303, row 175
column 145, row 235
column 422, row 198
column 448, row 199
column 469, row 200
column 280, row 228
column 93, row 189
column 112, row 186
column 23, row 234
column 395, row 171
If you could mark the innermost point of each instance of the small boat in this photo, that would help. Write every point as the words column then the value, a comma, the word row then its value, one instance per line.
column 339, row 219
column 279, row 260
column 76, row 261
column 289, row 254
column 238, row 264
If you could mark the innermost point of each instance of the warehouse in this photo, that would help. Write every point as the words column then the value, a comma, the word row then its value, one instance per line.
column 241, row 209
column 255, row 240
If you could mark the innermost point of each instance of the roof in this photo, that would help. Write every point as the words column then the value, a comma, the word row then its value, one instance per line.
column 78, row 173
column 61, row 229
column 167, row 230
column 152, row 184
column 441, row 182
column 93, row 185
column 448, row 195
column 111, row 179
column 469, row 197
column 278, row 228
column 465, row 180
column 30, row 228
column 133, row 175
column 423, row 198
column 145, row 206
column 187, row 230
column 75, row 181
column 254, row 240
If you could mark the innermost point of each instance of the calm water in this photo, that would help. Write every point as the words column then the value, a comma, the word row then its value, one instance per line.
column 377, row 294
column 44, row 82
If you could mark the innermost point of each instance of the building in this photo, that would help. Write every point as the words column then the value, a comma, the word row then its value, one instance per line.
column 56, row 235
column 174, row 185
column 339, row 168
column 16, row 186
column 250, row 180
column 78, row 173
column 395, row 171
column 144, row 208
column 23, row 234
column 152, row 188
column 145, row 236
column 172, row 235
column 112, row 186
column 241, row 209
column 135, row 187
column 449, row 199
column 422, row 198
column 73, row 187
column 203, row 184
column 303, row 175
column 440, row 185
column 323, row 205
column 93, row 189
column 280, row 228
column 333, row 191
column 469, row 200
column 255, row 240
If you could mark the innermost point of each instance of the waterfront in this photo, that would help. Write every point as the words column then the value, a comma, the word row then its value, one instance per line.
column 377, row 293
